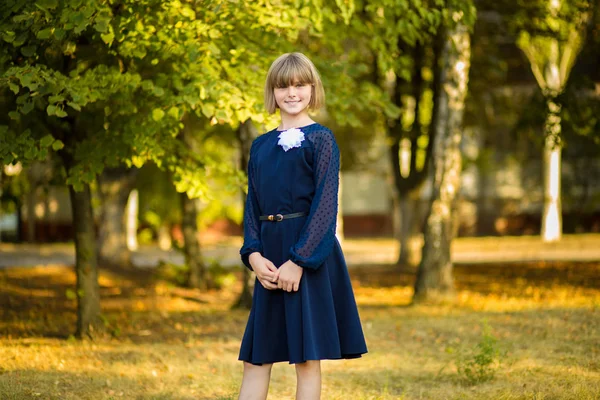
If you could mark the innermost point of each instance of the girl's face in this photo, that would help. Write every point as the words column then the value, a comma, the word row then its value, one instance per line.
column 293, row 99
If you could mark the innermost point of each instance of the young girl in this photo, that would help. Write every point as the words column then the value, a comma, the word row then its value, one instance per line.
column 303, row 308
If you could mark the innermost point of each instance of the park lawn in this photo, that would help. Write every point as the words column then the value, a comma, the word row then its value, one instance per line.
column 164, row 342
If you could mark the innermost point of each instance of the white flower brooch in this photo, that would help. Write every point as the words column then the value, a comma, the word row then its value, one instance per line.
column 290, row 138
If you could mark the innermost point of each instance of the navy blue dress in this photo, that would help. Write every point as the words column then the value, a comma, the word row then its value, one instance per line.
column 321, row 320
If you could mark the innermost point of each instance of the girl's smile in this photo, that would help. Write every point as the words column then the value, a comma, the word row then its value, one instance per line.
column 294, row 99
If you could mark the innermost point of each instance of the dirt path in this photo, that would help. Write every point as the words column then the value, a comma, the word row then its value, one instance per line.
column 357, row 251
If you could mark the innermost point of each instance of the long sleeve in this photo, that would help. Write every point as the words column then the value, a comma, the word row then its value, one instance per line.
column 318, row 234
column 251, row 221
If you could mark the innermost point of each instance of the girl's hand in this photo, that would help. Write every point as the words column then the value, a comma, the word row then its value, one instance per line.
column 289, row 275
column 265, row 270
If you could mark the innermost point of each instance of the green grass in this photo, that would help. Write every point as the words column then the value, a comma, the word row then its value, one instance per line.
column 173, row 343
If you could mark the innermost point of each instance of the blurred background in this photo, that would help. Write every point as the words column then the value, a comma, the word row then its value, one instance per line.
column 470, row 185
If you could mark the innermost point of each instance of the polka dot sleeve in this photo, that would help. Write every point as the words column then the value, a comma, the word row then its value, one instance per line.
column 318, row 234
column 251, row 217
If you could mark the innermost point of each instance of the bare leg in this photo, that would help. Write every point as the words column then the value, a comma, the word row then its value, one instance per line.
column 309, row 380
column 255, row 384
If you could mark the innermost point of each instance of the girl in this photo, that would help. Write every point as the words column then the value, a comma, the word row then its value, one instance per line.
column 303, row 307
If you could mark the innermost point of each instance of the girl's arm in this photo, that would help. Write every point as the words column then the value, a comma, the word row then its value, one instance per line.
column 251, row 221
column 318, row 234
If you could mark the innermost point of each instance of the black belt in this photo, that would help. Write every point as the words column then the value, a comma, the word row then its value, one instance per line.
column 280, row 217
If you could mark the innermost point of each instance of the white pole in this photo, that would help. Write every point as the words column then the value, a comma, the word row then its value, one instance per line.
column 132, row 220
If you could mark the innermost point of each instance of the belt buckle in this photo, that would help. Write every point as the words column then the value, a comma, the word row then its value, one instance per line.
column 276, row 217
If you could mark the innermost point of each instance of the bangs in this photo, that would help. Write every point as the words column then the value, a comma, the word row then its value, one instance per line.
column 291, row 71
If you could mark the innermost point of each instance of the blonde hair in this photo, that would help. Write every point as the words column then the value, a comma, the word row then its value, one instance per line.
column 288, row 69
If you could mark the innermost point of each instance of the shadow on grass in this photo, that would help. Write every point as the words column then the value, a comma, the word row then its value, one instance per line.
column 44, row 384
column 486, row 278
column 143, row 309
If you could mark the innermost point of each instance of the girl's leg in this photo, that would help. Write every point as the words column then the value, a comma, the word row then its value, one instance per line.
column 309, row 380
column 255, row 383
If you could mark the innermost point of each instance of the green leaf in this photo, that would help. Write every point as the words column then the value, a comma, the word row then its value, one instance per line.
column 14, row 115
column 56, row 99
column 8, row 36
column 74, row 106
column 57, row 145
column 69, row 48
column 22, row 38
column 78, row 186
column 89, row 176
column 222, row 115
column 188, row 12
column 158, row 91
column 22, row 98
column 47, row 3
column 60, row 112
column 51, row 109
column 208, row 110
column 157, row 114
column 44, row 33
column 20, row 18
column 46, row 140
column 8, row 159
column 59, row 34
column 101, row 24
column 174, row 112
column 28, row 51
column 137, row 161
column 108, row 38
column 27, row 107
column 15, row 88
column 30, row 153
column 147, row 85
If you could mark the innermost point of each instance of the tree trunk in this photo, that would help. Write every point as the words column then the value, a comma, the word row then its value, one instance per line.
column 552, row 217
column 434, row 278
column 406, row 229
column 114, row 186
column 197, row 275
column 1, row 176
column 86, row 264
column 396, row 188
column 410, row 226
column 31, row 199
column 246, row 134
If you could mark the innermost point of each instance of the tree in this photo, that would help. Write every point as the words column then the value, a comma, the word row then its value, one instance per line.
column 53, row 66
column 400, row 40
column 434, row 278
column 551, row 46
column 103, row 84
column 550, row 34
column 114, row 188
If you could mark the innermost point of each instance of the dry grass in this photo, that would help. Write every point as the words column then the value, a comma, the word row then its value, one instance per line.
column 164, row 342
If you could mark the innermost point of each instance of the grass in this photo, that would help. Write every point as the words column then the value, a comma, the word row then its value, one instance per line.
column 164, row 342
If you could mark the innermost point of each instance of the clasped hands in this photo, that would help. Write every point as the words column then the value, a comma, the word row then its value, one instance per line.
column 286, row 277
